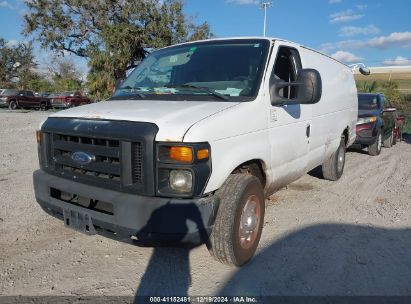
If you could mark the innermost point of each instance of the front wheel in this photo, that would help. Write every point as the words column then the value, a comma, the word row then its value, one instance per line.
column 13, row 105
column 375, row 148
column 239, row 222
column 333, row 167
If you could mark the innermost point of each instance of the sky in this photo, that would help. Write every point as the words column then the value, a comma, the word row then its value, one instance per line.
column 375, row 32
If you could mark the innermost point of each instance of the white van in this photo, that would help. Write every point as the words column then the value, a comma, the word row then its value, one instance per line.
column 192, row 142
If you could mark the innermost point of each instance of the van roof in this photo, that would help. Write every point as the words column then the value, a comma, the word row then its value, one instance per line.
column 264, row 38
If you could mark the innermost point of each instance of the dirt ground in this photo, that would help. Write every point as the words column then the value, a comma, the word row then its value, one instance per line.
column 350, row 237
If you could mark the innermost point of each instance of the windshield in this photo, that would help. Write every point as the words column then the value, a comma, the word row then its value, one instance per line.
column 368, row 102
column 230, row 70
column 9, row 92
column 65, row 94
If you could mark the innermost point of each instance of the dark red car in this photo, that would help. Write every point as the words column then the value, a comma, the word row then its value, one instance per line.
column 68, row 100
column 15, row 99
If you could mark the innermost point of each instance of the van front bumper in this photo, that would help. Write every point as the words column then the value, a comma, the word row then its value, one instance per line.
column 141, row 220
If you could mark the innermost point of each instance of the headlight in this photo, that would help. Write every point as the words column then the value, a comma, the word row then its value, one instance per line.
column 365, row 120
column 181, row 181
column 183, row 170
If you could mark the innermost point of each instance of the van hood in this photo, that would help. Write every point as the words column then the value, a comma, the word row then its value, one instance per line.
column 367, row 113
column 173, row 118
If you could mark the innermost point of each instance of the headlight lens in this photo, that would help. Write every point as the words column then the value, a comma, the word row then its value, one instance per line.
column 365, row 120
column 181, row 181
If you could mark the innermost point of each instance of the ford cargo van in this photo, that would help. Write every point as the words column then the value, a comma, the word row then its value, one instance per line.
column 194, row 140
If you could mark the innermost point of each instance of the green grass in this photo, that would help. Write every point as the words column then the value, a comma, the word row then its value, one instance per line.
column 407, row 126
column 403, row 79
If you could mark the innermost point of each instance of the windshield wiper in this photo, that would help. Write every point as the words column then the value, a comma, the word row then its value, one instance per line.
column 204, row 89
column 128, row 88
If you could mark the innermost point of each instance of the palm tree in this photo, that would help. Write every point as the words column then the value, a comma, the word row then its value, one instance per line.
column 367, row 87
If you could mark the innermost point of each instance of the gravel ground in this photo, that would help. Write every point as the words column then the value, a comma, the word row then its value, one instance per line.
column 350, row 237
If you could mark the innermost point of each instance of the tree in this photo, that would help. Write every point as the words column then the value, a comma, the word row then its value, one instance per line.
column 390, row 89
column 64, row 74
column 16, row 62
column 32, row 80
column 114, row 35
column 367, row 87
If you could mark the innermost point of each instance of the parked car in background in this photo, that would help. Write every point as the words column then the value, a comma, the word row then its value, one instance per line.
column 15, row 99
column 375, row 124
column 68, row 100
column 43, row 94
column 3, row 100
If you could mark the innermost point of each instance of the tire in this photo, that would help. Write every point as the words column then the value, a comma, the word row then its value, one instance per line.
column 388, row 142
column 43, row 107
column 394, row 138
column 333, row 168
column 13, row 105
column 229, row 242
column 375, row 148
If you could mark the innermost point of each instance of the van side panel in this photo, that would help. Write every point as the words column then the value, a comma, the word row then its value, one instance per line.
column 337, row 109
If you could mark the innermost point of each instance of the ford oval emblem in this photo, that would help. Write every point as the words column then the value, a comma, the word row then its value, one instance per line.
column 82, row 158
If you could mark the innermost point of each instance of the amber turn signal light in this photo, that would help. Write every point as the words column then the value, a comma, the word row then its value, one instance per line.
column 182, row 154
column 202, row 154
column 38, row 136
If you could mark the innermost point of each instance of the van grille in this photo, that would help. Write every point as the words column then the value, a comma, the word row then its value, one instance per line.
column 120, row 154
column 106, row 152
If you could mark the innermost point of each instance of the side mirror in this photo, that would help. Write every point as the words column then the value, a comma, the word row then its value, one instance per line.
column 365, row 71
column 308, row 88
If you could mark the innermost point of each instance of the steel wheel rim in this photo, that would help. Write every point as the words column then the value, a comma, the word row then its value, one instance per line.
column 341, row 159
column 249, row 222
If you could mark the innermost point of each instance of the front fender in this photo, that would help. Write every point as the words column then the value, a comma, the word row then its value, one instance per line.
column 228, row 154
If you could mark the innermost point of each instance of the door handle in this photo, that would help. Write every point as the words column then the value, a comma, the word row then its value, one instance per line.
column 308, row 131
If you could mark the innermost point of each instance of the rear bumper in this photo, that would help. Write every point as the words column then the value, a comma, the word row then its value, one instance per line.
column 151, row 221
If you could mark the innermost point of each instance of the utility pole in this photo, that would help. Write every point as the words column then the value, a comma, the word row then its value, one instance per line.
column 264, row 5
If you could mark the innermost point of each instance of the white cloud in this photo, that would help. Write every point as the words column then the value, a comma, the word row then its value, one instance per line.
column 398, row 39
column 345, row 16
column 348, row 31
column 12, row 43
column 346, row 57
column 6, row 4
column 399, row 61
column 334, row 1
column 361, row 7
column 243, row 2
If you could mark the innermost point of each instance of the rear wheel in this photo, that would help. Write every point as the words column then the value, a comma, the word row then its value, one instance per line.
column 13, row 105
column 396, row 134
column 388, row 142
column 239, row 222
column 333, row 168
column 375, row 148
column 43, row 107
